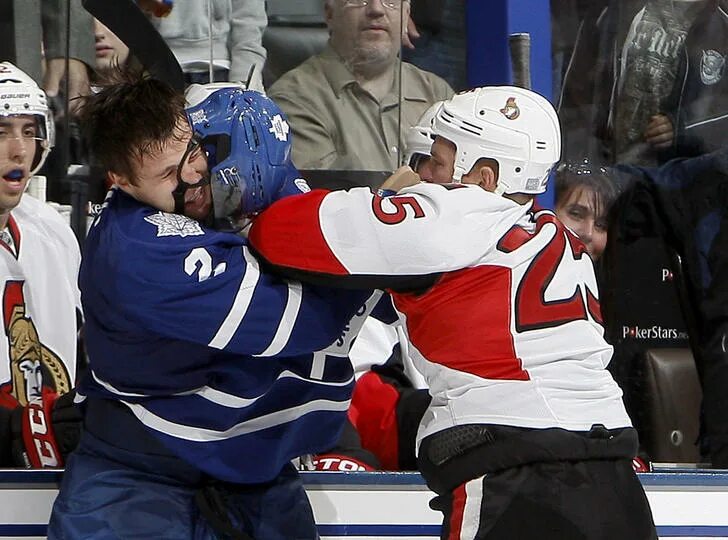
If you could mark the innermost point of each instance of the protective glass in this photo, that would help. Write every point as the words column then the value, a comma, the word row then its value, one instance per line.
column 391, row 4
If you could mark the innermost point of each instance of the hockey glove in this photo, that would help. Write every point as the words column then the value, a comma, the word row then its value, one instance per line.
column 45, row 431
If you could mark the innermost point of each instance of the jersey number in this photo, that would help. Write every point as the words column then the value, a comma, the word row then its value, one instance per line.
column 200, row 261
column 533, row 311
column 400, row 204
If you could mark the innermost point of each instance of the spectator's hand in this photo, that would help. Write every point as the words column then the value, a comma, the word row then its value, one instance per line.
column 78, row 83
column 45, row 431
column 402, row 178
column 659, row 132
column 409, row 33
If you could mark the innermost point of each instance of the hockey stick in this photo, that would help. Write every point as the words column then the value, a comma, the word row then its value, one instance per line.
column 131, row 26
column 520, row 49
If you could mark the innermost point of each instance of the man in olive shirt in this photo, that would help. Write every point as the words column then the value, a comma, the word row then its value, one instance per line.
column 343, row 104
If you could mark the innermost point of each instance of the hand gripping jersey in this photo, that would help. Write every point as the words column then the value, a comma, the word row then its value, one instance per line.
column 499, row 302
column 212, row 355
column 40, row 300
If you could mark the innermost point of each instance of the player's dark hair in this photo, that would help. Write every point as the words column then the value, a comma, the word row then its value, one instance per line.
column 129, row 117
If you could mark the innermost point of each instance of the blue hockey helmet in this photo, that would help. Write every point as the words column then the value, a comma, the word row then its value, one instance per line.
column 248, row 145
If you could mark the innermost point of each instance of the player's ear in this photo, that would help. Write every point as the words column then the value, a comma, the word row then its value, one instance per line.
column 488, row 177
column 117, row 179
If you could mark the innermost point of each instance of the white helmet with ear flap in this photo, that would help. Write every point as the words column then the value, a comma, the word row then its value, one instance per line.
column 418, row 142
column 516, row 127
column 21, row 95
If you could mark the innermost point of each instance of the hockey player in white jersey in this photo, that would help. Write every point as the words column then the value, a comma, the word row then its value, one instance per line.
column 207, row 375
column 526, row 435
column 39, row 298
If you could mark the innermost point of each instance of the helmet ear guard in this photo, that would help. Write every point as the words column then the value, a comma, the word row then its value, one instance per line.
column 21, row 95
column 516, row 127
column 248, row 146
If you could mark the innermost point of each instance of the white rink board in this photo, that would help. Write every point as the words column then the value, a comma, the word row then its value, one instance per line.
column 366, row 506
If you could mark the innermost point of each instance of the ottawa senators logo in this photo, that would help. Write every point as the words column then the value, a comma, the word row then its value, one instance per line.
column 33, row 366
column 511, row 110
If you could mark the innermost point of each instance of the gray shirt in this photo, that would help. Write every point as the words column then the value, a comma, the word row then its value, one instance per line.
column 337, row 124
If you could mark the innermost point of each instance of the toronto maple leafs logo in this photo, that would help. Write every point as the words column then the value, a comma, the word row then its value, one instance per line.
column 279, row 128
column 174, row 225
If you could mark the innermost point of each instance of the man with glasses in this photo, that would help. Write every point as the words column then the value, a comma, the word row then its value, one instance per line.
column 206, row 374
column 344, row 103
column 39, row 299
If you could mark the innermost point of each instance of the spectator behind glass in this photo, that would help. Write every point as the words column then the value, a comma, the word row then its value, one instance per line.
column 80, row 53
column 658, row 88
column 235, row 28
column 583, row 199
column 343, row 104
column 436, row 40
column 111, row 52
column 39, row 260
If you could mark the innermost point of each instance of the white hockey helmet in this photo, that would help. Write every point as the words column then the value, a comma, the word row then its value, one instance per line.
column 21, row 95
column 418, row 142
column 516, row 127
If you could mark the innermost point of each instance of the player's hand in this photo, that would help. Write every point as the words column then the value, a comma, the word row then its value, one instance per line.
column 409, row 34
column 45, row 431
column 659, row 131
column 402, row 178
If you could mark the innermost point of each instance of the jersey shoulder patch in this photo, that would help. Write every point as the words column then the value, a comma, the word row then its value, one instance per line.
column 174, row 225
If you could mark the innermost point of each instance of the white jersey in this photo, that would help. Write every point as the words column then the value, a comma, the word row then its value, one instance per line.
column 39, row 302
column 508, row 332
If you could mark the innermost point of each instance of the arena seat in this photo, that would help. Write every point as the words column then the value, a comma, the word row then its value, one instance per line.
column 673, row 396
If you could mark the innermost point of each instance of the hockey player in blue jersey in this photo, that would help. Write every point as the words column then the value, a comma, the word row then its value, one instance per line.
column 207, row 375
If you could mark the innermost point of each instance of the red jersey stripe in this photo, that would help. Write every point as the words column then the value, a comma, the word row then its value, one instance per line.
column 458, row 509
column 473, row 333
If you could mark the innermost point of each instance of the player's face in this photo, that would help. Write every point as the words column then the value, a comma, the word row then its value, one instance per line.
column 439, row 169
column 110, row 50
column 156, row 177
column 580, row 212
column 366, row 34
column 18, row 144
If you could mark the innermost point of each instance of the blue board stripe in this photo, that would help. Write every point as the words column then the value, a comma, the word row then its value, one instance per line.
column 379, row 531
column 355, row 479
column 394, row 531
column 699, row 531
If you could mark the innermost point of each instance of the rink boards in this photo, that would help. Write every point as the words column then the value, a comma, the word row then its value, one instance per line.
column 365, row 506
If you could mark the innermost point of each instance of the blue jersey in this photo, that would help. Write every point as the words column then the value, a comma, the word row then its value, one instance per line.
column 214, row 356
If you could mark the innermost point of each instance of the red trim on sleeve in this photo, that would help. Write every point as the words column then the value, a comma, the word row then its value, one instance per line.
column 289, row 234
